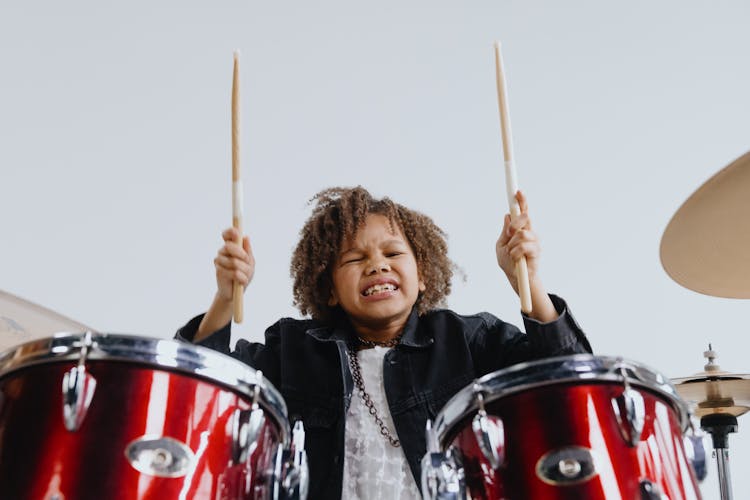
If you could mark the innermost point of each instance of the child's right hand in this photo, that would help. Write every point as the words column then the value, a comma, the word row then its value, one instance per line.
column 233, row 263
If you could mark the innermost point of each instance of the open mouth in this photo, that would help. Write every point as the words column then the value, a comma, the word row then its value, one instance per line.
column 380, row 288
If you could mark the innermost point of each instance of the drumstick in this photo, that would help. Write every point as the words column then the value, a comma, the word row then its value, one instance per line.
column 236, row 181
column 511, row 184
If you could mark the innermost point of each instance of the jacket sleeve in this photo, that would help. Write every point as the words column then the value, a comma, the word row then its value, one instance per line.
column 263, row 357
column 496, row 344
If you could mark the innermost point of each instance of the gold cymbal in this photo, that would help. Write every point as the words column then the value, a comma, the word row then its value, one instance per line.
column 22, row 321
column 717, row 392
column 706, row 245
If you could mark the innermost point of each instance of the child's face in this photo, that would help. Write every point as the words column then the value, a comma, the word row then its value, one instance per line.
column 375, row 279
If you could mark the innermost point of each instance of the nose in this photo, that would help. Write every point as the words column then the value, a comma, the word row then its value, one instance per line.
column 378, row 265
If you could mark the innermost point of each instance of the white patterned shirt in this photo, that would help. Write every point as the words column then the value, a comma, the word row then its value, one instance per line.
column 373, row 468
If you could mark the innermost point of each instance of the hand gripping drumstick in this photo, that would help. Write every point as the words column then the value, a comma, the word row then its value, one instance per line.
column 511, row 184
column 236, row 182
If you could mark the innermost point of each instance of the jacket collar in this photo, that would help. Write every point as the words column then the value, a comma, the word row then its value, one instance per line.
column 341, row 330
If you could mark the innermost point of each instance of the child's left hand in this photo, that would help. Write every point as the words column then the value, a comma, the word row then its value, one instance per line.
column 518, row 240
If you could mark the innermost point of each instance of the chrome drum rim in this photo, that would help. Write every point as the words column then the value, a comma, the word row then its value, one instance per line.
column 584, row 368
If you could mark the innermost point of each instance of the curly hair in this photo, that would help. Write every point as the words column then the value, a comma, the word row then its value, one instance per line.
column 337, row 215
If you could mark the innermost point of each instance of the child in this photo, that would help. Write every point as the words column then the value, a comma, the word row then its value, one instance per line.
column 378, row 357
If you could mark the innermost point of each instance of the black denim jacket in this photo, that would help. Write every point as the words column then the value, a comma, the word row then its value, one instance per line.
column 440, row 353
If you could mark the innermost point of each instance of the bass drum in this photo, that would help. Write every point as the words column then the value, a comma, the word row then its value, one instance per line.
column 124, row 417
column 574, row 427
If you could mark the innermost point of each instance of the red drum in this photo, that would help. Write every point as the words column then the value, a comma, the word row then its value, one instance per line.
column 575, row 427
column 122, row 417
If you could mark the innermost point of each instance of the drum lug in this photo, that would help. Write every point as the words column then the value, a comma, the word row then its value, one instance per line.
column 696, row 453
column 650, row 491
column 442, row 476
column 630, row 411
column 247, row 427
column 296, row 478
column 490, row 434
column 78, row 388
column 290, row 476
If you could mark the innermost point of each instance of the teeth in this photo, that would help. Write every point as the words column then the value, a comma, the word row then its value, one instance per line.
column 387, row 287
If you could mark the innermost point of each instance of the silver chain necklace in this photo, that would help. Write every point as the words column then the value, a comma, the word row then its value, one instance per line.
column 360, row 383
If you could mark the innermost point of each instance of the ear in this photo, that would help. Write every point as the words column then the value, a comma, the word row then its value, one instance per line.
column 422, row 286
column 333, row 300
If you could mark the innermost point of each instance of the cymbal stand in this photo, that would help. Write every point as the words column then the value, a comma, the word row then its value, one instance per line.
column 719, row 425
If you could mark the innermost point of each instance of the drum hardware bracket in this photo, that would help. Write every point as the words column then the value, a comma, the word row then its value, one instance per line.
column 290, row 473
column 629, row 410
column 296, row 480
column 489, row 432
column 78, row 387
column 720, row 425
column 566, row 466
column 247, row 426
column 160, row 456
column 442, row 477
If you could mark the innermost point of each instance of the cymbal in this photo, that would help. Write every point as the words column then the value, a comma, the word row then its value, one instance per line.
column 22, row 321
column 705, row 246
column 712, row 393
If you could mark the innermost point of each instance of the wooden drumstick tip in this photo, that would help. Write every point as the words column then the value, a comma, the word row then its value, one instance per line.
column 236, row 54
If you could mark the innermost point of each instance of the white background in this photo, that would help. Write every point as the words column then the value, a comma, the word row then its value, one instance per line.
column 115, row 152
